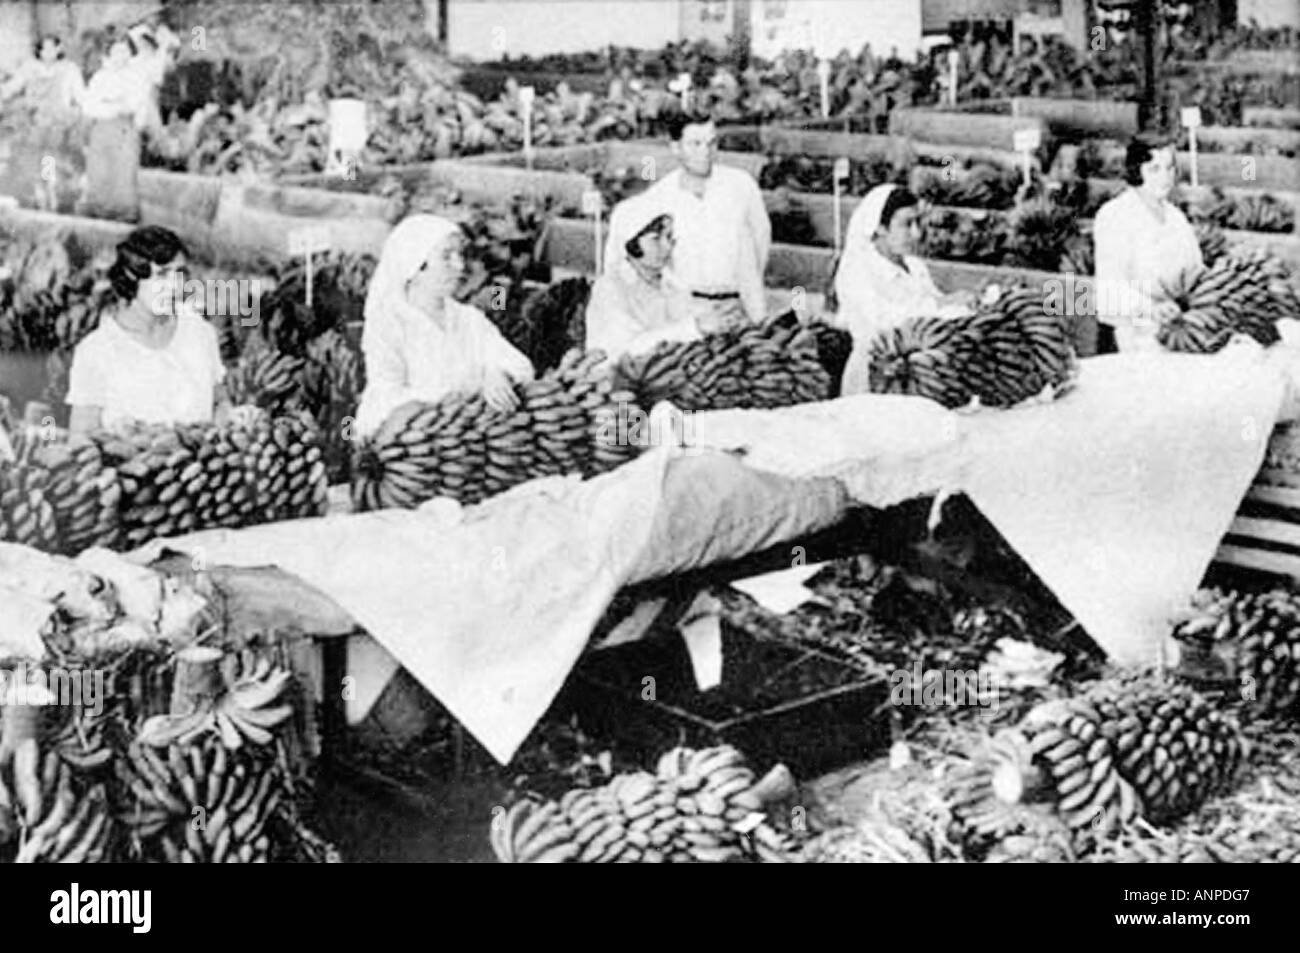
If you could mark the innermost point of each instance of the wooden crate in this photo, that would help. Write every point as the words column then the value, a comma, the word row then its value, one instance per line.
column 1265, row 536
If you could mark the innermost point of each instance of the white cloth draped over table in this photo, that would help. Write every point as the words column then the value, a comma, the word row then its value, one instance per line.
column 723, row 238
column 1117, row 496
column 1136, row 255
column 408, row 355
column 874, row 293
column 627, row 314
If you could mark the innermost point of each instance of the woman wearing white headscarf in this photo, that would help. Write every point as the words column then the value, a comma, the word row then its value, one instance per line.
column 880, row 283
column 421, row 344
column 637, row 303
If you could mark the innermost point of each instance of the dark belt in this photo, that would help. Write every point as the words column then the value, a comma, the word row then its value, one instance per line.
column 716, row 296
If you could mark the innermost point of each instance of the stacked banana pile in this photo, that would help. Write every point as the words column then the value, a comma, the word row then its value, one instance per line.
column 691, row 810
column 26, row 510
column 202, row 803
column 772, row 365
column 204, row 475
column 1011, row 350
column 1243, row 292
column 266, row 378
column 1128, row 748
column 69, row 480
column 572, row 420
column 1250, row 641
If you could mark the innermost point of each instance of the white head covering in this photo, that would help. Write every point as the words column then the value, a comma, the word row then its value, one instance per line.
column 628, row 219
column 865, row 222
column 415, row 240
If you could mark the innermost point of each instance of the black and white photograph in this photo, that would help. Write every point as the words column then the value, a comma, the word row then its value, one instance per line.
column 651, row 432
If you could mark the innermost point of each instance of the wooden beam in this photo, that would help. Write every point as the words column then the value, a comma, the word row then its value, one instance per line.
column 1280, row 564
column 1273, row 531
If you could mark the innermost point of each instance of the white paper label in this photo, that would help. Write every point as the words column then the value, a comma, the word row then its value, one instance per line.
column 841, row 169
column 1027, row 140
column 526, row 96
column 1191, row 117
column 592, row 202
column 309, row 240
column 824, row 70
column 954, row 59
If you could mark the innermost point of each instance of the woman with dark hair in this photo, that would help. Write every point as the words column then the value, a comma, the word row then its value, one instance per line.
column 1142, row 243
column 638, row 302
column 148, row 361
column 118, row 107
column 880, row 283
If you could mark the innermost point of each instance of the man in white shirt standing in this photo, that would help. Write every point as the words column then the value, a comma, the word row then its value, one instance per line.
column 721, row 227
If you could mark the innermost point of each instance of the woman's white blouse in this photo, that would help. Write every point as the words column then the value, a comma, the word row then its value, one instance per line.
column 131, row 381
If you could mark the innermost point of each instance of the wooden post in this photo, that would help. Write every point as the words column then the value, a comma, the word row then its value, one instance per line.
column 742, row 37
column 1144, row 16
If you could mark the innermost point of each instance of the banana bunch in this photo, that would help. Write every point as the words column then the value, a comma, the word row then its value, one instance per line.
column 1009, row 351
column 196, row 476
column 688, row 811
column 49, row 800
column 768, row 365
column 67, row 821
column 244, row 712
column 1213, row 243
column 1255, row 638
column 266, row 378
column 1131, row 747
column 27, row 513
column 1241, row 293
column 568, row 421
column 82, row 490
column 833, row 349
column 1175, row 848
column 236, row 795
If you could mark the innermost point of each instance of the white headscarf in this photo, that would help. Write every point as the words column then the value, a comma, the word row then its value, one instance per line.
column 863, row 225
column 415, row 240
column 629, row 218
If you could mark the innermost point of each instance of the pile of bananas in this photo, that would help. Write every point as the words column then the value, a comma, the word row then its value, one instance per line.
column 1252, row 213
column 978, row 185
column 1241, row 293
column 46, row 301
column 235, row 795
column 52, row 800
column 691, row 810
column 1127, row 748
column 75, row 485
column 771, row 365
column 1214, row 244
column 197, row 476
column 1008, row 352
column 26, row 511
column 571, row 420
column 1252, row 641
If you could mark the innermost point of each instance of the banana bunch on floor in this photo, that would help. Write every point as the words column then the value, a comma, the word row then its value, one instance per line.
column 1009, row 351
column 80, row 488
column 1241, row 293
column 1213, row 243
column 246, row 711
column 691, row 810
column 1127, row 748
column 571, row 420
column 198, row 476
column 201, row 803
column 1251, row 641
column 769, row 365
column 51, row 803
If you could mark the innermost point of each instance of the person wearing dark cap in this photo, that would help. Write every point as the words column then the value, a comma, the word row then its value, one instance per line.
column 149, row 361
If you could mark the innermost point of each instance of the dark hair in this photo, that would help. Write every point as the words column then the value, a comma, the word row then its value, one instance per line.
column 143, row 248
column 633, row 245
column 897, row 200
column 1140, row 150
column 676, row 123
column 115, row 36
column 49, row 38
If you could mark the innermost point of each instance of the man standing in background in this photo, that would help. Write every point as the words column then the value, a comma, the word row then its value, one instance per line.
column 721, row 227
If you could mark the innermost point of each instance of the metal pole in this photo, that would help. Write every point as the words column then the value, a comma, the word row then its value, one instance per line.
column 1145, row 17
